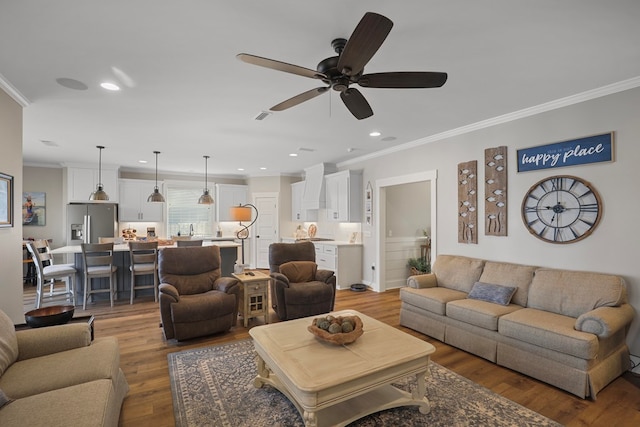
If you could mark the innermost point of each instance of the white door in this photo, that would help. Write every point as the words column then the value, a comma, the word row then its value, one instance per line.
column 266, row 227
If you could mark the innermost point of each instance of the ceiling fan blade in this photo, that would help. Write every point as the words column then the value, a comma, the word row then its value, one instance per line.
column 403, row 79
column 365, row 41
column 356, row 103
column 280, row 66
column 299, row 99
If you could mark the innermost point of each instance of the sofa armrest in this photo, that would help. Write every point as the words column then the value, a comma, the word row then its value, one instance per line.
column 226, row 284
column 169, row 290
column 53, row 339
column 422, row 281
column 324, row 275
column 605, row 321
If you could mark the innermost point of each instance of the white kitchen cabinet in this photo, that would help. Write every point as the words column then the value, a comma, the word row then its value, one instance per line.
column 227, row 196
column 344, row 196
column 345, row 260
column 81, row 182
column 133, row 206
column 298, row 213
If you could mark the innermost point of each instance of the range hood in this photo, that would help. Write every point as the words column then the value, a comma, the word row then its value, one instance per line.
column 313, row 196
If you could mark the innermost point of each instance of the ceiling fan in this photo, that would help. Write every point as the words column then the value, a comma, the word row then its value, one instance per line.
column 339, row 72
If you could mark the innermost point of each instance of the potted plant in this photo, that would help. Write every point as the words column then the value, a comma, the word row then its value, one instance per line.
column 419, row 266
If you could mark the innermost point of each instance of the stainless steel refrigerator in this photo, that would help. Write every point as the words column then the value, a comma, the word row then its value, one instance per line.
column 86, row 222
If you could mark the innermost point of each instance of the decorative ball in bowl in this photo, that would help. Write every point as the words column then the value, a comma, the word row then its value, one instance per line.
column 337, row 330
column 49, row 316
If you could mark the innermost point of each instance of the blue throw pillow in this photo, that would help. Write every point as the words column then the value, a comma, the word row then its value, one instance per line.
column 492, row 293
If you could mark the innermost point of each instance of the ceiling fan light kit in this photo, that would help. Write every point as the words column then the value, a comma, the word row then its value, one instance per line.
column 341, row 71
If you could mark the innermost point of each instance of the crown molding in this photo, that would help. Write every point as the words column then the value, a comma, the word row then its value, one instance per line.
column 13, row 92
column 505, row 118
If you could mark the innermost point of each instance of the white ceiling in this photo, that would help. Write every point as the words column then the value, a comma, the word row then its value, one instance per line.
column 185, row 94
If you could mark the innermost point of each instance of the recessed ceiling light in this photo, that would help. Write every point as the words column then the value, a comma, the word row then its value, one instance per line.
column 293, row 155
column 110, row 86
column 142, row 161
column 375, row 133
column 263, row 168
column 240, row 169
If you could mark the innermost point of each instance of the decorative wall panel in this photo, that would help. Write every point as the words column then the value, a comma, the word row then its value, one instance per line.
column 495, row 191
column 468, row 202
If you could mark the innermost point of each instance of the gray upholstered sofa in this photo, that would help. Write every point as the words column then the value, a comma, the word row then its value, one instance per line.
column 57, row 376
column 566, row 328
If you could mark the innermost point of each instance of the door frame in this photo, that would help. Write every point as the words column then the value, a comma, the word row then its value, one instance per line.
column 276, row 226
column 381, row 210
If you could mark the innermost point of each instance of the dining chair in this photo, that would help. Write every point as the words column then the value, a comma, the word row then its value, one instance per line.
column 98, row 263
column 144, row 262
column 47, row 272
column 187, row 243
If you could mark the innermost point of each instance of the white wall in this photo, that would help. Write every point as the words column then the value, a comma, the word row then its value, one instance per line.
column 612, row 248
column 49, row 181
column 11, row 238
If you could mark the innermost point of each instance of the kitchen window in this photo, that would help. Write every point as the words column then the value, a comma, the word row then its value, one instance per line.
column 185, row 213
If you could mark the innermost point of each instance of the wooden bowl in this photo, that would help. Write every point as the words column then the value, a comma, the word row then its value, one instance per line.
column 49, row 316
column 339, row 338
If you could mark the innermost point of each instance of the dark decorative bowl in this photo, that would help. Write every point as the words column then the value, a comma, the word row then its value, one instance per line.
column 49, row 316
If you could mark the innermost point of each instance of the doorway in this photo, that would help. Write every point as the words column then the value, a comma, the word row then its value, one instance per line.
column 380, row 278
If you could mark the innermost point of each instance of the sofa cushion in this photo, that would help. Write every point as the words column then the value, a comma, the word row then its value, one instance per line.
column 299, row 271
column 479, row 313
column 87, row 404
column 8, row 342
column 507, row 274
column 549, row 330
column 100, row 360
column 573, row 293
column 457, row 272
column 431, row 299
column 489, row 292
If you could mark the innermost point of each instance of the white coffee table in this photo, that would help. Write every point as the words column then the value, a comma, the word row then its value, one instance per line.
column 336, row 385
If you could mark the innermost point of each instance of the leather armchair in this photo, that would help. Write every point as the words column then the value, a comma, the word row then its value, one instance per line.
column 194, row 299
column 292, row 299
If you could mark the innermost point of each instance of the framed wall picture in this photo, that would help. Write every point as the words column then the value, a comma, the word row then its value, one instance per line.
column 33, row 208
column 368, row 205
column 6, row 200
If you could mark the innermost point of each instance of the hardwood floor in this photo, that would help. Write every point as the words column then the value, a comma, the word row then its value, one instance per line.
column 144, row 362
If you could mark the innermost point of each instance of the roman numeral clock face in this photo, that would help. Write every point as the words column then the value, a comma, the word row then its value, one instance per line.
column 561, row 209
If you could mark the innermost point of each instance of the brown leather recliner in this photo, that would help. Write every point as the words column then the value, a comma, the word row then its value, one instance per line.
column 308, row 291
column 194, row 299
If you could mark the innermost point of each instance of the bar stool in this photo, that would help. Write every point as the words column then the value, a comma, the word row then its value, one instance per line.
column 144, row 262
column 188, row 243
column 98, row 262
column 40, row 255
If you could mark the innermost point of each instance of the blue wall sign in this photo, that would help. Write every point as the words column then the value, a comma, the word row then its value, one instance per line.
column 592, row 149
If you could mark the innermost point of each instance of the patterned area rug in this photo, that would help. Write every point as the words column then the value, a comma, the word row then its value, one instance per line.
column 213, row 386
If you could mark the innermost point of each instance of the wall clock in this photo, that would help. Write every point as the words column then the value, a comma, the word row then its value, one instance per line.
column 561, row 209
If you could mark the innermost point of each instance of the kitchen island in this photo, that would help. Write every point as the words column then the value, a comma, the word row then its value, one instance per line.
column 228, row 255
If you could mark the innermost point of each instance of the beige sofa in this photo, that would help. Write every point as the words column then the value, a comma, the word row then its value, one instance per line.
column 566, row 328
column 56, row 376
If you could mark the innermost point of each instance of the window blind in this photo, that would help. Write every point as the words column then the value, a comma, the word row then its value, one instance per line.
column 184, row 211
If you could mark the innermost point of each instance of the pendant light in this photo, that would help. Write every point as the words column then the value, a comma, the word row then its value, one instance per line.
column 99, row 194
column 206, row 198
column 156, row 196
